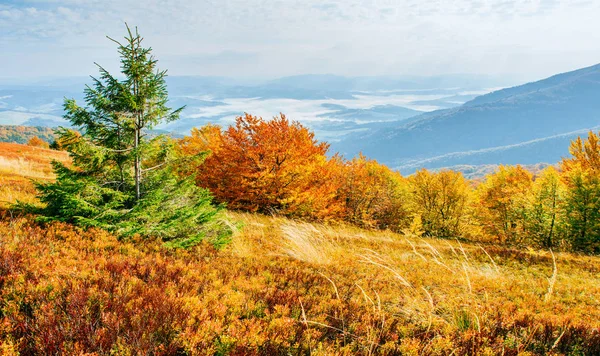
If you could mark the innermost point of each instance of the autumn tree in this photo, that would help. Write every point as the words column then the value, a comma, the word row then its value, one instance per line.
column 581, row 173
column 441, row 200
column 502, row 203
column 264, row 166
column 373, row 195
column 122, row 178
column 545, row 209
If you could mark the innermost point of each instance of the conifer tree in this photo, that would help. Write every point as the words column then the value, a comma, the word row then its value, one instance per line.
column 123, row 176
column 119, row 113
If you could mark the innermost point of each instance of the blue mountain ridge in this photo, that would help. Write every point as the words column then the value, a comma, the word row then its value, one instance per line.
column 526, row 124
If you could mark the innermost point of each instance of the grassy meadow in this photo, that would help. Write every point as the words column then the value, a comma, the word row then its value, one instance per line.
column 281, row 287
column 19, row 164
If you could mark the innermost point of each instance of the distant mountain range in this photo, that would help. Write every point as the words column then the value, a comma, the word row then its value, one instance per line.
column 526, row 124
column 405, row 122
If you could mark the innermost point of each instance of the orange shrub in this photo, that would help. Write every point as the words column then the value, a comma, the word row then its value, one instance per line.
column 71, row 292
column 37, row 142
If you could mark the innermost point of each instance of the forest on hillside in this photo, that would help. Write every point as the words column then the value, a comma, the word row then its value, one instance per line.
column 22, row 134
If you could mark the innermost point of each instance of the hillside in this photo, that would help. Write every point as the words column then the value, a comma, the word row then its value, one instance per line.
column 22, row 134
column 282, row 287
column 19, row 164
column 524, row 124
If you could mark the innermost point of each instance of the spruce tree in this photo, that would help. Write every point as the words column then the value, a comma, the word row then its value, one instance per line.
column 123, row 176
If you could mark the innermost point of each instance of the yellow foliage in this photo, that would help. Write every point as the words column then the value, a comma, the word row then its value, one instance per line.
column 441, row 200
column 501, row 205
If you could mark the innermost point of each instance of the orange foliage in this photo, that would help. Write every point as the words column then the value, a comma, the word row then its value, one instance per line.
column 263, row 166
column 285, row 287
column 71, row 292
column 37, row 142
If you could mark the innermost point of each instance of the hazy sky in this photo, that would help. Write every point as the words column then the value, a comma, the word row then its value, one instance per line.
column 527, row 38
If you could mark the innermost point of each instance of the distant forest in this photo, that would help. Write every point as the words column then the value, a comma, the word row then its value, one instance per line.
column 22, row 134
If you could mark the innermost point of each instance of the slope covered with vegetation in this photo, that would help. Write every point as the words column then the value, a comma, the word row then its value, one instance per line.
column 22, row 134
column 283, row 286
column 278, row 166
column 19, row 164
column 121, row 244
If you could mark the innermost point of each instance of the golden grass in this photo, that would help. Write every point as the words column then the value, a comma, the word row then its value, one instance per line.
column 443, row 284
column 19, row 165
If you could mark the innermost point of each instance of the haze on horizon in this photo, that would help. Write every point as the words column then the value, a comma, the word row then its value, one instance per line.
column 525, row 39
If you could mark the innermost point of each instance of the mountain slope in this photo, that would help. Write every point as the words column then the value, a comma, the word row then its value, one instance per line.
column 552, row 107
column 280, row 287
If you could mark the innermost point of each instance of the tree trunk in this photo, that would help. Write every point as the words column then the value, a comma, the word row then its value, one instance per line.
column 138, row 170
column 550, row 241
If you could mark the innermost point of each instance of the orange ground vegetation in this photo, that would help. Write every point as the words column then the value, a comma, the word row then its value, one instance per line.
column 290, row 288
column 284, row 287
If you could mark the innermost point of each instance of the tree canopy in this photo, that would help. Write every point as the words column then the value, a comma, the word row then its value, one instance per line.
column 122, row 178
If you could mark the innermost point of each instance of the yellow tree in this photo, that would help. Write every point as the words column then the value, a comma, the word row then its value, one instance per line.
column 581, row 173
column 502, row 202
column 441, row 200
column 545, row 218
column 373, row 195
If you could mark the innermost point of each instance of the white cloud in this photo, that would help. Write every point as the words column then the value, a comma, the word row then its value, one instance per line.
column 282, row 37
column 306, row 111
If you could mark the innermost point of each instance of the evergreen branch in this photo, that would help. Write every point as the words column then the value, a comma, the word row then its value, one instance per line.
column 115, row 41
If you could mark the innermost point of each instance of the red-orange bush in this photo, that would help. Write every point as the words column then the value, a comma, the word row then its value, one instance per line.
column 71, row 292
column 264, row 166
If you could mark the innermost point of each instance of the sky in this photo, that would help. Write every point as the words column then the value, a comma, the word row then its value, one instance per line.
column 526, row 39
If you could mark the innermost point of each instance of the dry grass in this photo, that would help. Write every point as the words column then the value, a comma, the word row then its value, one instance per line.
column 289, row 287
column 441, row 286
column 19, row 164
column 28, row 161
